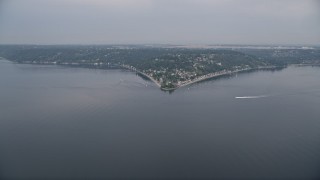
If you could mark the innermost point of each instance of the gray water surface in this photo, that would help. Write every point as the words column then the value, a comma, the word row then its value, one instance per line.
column 60, row 123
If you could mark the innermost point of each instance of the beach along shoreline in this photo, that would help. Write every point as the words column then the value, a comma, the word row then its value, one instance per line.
column 198, row 79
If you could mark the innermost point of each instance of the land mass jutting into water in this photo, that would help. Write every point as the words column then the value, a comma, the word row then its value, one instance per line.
column 169, row 67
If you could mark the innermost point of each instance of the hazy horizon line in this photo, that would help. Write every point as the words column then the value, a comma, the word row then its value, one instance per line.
column 161, row 44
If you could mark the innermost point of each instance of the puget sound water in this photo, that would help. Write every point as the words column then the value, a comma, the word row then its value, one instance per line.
column 61, row 123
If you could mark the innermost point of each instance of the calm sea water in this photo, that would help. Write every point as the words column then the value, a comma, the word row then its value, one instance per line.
column 59, row 122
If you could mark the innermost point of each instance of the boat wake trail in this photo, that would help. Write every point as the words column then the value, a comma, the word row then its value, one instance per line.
column 251, row 97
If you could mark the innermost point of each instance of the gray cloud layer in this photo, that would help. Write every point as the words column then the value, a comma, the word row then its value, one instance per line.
column 160, row 21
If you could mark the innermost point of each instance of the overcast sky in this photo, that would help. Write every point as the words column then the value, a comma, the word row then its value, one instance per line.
column 160, row 21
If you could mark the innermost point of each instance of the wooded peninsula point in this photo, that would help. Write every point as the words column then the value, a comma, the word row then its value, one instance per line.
column 168, row 66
